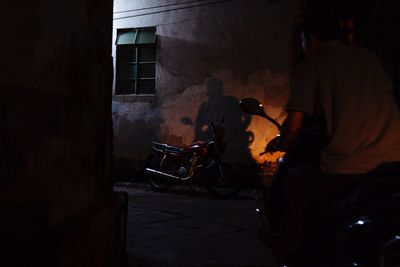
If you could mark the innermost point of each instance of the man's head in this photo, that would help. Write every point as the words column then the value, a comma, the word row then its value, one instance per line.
column 317, row 30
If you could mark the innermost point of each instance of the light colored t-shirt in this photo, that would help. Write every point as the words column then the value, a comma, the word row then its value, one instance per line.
column 350, row 89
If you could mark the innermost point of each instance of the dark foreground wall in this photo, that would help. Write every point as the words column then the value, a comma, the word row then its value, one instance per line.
column 57, row 207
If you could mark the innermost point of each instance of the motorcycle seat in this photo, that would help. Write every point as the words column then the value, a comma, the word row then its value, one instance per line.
column 166, row 147
column 370, row 191
column 378, row 185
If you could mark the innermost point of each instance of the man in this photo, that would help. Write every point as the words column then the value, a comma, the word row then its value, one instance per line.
column 347, row 88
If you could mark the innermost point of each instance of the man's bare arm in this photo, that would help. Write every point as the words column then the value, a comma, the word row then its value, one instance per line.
column 290, row 129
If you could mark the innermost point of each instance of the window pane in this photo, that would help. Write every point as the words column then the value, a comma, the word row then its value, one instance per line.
column 146, row 87
column 147, row 54
column 125, row 87
column 146, row 36
column 126, row 36
column 147, row 70
column 126, row 54
column 126, row 71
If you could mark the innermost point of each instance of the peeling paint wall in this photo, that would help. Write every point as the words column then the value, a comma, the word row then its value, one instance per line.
column 209, row 56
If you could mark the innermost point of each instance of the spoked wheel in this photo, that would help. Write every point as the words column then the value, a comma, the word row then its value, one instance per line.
column 159, row 184
column 222, row 179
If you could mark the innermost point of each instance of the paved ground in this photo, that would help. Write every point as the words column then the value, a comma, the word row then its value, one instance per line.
column 180, row 229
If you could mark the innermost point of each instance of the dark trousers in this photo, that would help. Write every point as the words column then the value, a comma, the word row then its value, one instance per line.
column 302, row 195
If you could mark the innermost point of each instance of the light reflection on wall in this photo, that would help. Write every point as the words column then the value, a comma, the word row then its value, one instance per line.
column 262, row 132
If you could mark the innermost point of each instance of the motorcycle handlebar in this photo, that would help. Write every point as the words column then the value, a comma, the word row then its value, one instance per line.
column 213, row 127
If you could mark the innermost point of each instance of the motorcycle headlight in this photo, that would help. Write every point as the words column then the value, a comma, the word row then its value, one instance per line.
column 359, row 222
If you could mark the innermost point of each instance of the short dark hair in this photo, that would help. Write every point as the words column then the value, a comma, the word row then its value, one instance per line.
column 325, row 26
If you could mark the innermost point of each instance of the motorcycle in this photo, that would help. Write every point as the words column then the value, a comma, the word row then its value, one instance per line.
column 194, row 164
column 364, row 225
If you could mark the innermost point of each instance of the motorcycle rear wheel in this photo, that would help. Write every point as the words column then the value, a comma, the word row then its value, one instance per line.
column 195, row 184
column 222, row 179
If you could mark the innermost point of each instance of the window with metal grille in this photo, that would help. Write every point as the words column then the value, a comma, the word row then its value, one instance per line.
column 136, row 61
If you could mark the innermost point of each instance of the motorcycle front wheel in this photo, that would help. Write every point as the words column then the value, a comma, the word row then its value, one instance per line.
column 157, row 183
column 222, row 179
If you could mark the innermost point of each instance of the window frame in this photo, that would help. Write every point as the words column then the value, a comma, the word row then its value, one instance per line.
column 135, row 88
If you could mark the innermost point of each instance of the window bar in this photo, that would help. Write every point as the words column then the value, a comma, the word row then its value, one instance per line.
column 137, row 65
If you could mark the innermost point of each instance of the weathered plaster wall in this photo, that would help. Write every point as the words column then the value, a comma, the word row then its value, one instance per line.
column 56, row 200
column 208, row 58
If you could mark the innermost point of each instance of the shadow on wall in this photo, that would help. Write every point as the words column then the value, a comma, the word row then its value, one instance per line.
column 202, row 60
column 224, row 111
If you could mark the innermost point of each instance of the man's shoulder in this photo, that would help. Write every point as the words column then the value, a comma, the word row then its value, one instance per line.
column 366, row 54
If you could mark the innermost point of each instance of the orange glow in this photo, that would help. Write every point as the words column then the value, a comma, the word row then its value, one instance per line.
column 262, row 132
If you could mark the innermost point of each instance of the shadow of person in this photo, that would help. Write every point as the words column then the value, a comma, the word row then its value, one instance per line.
column 224, row 111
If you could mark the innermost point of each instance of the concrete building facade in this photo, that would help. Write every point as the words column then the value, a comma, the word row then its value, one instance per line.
column 209, row 55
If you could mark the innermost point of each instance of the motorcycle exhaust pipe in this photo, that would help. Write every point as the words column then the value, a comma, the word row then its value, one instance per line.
column 165, row 175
